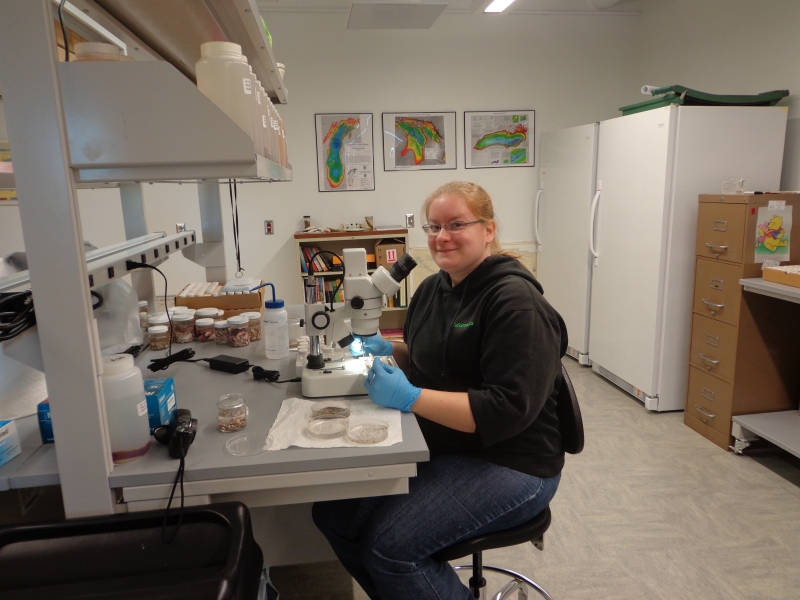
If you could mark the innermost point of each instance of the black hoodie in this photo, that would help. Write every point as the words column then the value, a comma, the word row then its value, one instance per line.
column 495, row 337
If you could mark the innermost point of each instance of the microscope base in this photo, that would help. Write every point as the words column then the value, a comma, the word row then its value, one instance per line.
column 335, row 381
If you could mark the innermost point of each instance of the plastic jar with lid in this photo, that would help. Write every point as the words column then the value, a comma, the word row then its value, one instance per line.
column 96, row 52
column 224, row 77
column 221, row 332
column 238, row 331
column 204, row 330
column 160, row 319
column 253, row 325
column 206, row 313
column 182, row 328
column 159, row 337
column 126, row 408
column 232, row 414
column 143, row 316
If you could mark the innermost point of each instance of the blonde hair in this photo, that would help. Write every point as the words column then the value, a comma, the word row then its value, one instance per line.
column 478, row 201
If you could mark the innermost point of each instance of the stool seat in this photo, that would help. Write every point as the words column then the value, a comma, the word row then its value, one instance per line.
column 527, row 532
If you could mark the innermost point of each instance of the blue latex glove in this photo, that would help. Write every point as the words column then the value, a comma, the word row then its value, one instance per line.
column 375, row 345
column 389, row 387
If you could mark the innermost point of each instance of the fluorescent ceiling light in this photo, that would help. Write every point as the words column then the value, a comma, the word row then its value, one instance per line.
column 498, row 6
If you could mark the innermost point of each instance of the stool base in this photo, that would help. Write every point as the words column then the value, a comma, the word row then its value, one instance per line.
column 515, row 585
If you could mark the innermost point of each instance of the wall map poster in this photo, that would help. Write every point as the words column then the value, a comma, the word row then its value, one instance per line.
column 417, row 141
column 499, row 138
column 773, row 233
column 345, row 154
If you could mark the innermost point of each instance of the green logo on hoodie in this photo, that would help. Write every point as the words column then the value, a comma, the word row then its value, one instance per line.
column 460, row 325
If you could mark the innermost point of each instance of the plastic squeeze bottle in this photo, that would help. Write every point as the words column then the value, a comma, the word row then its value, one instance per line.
column 276, row 327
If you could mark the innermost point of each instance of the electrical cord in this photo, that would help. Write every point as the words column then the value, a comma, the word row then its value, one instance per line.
column 235, row 216
column 178, row 478
column 17, row 313
column 63, row 29
column 262, row 374
column 130, row 265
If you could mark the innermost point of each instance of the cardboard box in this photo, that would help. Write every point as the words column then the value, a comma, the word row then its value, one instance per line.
column 231, row 304
column 45, row 424
column 788, row 275
column 161, row 402
column 388, row 251
column 9, row 441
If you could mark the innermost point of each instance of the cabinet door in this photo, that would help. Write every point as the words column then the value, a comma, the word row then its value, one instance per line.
column 709, row 400
column 717, row 292
column 720, row 231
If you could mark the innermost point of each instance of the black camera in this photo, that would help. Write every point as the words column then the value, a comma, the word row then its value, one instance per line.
column 179, row 434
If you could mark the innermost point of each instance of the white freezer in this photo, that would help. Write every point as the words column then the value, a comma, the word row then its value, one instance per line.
column 651, row 168
column 563, row 265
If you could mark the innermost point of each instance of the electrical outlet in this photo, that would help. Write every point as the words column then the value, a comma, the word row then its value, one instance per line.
column 269, row 228
column 180, row 227
column 409, row 220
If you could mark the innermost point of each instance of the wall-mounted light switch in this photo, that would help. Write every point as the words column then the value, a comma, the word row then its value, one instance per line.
column 269, row 228
column 409, row 220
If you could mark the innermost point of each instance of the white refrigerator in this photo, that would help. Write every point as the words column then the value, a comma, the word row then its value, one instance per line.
column 567, row 174
column 651, row 166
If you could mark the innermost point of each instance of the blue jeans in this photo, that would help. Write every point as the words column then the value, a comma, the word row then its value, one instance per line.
column 386, row 542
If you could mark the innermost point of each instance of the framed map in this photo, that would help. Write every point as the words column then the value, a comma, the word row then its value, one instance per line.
column 503, row 138
column 345, row 153
column 417, row 141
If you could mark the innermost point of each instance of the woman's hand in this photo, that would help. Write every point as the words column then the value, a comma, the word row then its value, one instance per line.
column 374, row 344
column 389, row 387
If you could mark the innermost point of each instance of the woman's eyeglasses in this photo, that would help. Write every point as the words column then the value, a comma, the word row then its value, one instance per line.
column 452, row 227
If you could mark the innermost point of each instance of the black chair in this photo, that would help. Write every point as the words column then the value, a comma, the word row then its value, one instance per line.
column 571, row 428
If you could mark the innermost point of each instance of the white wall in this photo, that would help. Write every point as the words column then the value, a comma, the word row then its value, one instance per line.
column 726, row 47
column 570, row 69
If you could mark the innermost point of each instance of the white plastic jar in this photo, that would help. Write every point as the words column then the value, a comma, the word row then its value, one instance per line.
column 126, row 408
column 225, row 79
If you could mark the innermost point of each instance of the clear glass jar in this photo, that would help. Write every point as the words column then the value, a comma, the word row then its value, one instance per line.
column 159, row 337
column 221, row 332
column 143, row 315
column 238, row 331
column 182, row 328
column 253, row 325
column 204, row 330
column 232, row 413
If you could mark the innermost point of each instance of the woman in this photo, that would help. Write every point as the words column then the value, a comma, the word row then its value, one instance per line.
column 480, row 364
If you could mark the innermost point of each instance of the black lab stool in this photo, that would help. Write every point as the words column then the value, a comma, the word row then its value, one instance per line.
column 571, row 427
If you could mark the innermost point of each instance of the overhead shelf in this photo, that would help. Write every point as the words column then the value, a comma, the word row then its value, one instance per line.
column 110, row 263
column 175, row 29
column 143, row 121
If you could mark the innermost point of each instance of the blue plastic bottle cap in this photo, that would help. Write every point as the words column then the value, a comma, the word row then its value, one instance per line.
column 274, row 304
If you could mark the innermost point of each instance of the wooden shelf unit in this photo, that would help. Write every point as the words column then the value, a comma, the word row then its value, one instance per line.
column 393, row 317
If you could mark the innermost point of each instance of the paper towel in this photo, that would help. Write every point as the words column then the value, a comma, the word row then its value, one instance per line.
column 289, row 428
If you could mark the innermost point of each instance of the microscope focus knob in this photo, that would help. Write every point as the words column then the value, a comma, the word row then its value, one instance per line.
column 320, row 320
column 357, row 302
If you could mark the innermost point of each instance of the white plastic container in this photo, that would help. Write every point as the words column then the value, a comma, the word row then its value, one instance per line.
column 126, row 408
column 276, row 327
column 224, row 77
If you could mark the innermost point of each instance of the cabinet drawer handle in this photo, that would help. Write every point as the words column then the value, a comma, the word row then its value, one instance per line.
column 709, row 303
column 722, row 248
column 708, row 360
column 704, row 413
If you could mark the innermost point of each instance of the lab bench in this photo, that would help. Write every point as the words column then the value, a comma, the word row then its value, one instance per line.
column 295, row 476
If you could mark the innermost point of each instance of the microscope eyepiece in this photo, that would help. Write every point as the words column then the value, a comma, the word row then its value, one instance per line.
column 402, row 268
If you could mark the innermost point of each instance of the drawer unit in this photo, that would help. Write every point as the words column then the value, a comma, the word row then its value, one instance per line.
column 713, row 346
column 709, row 400
column 744, row 347
column 720, row 231
column 717, row 292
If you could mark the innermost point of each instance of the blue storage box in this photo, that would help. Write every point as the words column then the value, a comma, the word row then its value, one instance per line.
column 161, row 402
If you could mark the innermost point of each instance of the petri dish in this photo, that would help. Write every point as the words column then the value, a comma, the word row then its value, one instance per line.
column 325, row 429
column 249, row 444
column 330, row 409
column 367, row 431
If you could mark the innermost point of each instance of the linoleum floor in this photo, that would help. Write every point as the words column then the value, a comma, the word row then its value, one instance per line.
column 650, row 510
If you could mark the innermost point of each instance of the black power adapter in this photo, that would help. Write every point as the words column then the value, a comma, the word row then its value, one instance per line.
column 229, row 364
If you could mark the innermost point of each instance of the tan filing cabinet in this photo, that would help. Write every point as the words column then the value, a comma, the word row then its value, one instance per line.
column 745, row 348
